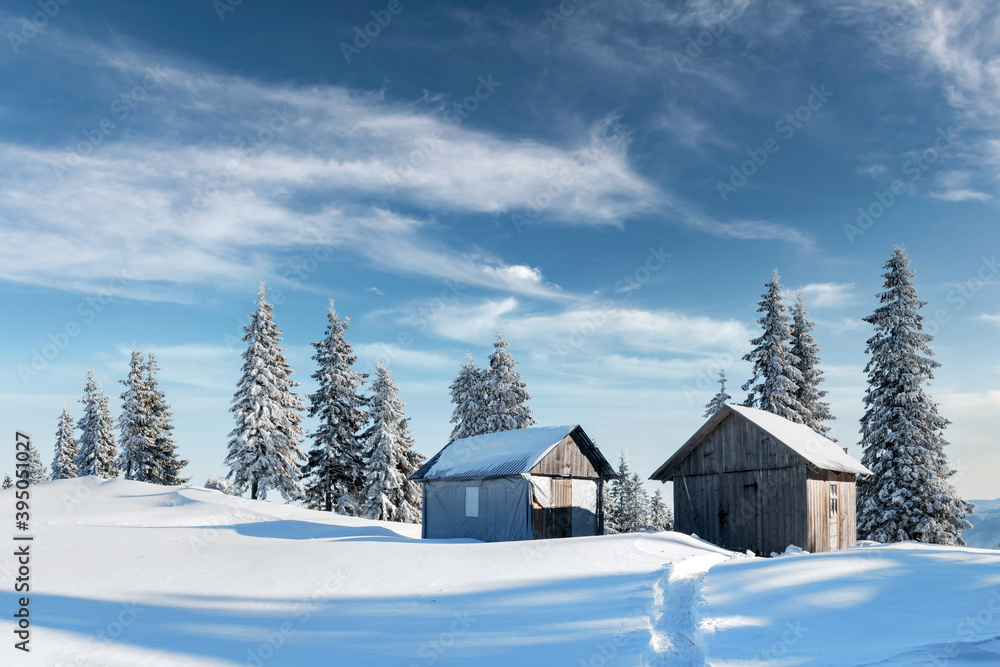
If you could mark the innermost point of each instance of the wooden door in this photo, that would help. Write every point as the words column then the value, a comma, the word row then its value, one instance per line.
column 834, row 518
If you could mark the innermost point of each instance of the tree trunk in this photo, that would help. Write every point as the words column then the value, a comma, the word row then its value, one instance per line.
column 253, row 490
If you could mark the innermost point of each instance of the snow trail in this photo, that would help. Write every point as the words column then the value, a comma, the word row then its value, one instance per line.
column 676, row 638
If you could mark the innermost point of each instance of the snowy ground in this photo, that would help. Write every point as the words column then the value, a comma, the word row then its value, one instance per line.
column 125, row 573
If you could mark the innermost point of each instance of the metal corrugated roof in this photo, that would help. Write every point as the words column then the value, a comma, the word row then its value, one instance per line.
column 501, row 454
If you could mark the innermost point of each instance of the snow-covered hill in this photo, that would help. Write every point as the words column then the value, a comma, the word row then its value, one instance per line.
column 985, row 531
column 125, row 573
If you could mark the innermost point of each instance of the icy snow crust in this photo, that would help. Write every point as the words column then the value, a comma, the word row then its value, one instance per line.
column 127, row 573
column 496, row 454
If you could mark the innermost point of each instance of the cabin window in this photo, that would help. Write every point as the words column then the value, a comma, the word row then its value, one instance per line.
column 472, row 501
column 834, row 509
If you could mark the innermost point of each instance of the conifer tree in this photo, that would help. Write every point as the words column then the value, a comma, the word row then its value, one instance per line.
column 506, row 395
column 335, row 471
column 774, row 365
column 164, row 450
column 908, row 496
column 627, row 502
column 36, row 472
column 64, row 462
column 135, row 455
column 388, row 464
column 96, row 449
column 814, row 410
column 660, row 516
column 264, row 449
column 7, row 482
column 720, row 399
column 468, row 393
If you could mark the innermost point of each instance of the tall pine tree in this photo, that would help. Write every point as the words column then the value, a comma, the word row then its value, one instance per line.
column 64, row 461
column 135, row 455
column 388, row 461
column 720, row 399
column 168, row 465
column 335, row 471
column 626, row 504
column 814, row 410
column 264, row 449
column 506, row 395
column 774, row 365
column 96, row 450
column 468, row 393
column 908, row 496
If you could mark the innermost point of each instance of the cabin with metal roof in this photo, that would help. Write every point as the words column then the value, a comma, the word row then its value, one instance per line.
column 532, row 483
column 749, row 479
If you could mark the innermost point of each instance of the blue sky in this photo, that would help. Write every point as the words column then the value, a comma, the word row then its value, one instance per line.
column 612, row 183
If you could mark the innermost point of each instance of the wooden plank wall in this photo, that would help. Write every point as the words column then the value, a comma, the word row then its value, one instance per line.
column 760, row 510
column 737, row 445
column 566, row 459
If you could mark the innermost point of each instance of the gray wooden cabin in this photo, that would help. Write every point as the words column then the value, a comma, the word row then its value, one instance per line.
column 749, row 479
column 532, row 483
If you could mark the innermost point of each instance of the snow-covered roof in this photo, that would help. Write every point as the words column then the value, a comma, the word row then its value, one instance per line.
column 817, row 450
column 501, row 454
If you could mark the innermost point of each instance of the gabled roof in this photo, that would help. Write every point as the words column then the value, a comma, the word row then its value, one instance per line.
column 506, row 453
column 817, row 451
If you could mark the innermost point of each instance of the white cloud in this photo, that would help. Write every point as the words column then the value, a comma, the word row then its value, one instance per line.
column 961, row 195
column 992, row 319
column 828, row 295
column 582, row 328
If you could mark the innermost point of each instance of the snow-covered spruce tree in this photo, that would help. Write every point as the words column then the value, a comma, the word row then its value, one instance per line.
column 64, row 461
column 720, row 399
column 815, row 411
column 164, row 450
column 264, row 449
column 221, row 484
column 775, row 382
column 335, row 471
column 7, row 482
column 626, row 502
column 36, row 472
column 387, row 459
column 135, row 423
column 468, row 393
column 908, row 496
column 660, row 516
column 96, row 450
column 506, row 396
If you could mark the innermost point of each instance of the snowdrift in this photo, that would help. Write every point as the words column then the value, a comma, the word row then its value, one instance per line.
column 125, row 573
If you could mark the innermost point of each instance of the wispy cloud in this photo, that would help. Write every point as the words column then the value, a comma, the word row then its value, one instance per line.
column 828, row 295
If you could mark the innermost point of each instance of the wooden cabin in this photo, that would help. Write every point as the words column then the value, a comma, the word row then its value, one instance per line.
column 749, row 479
column 532, row 483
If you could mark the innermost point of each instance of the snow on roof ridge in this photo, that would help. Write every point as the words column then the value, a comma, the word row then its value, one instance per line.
column 496, row 454
column 812, row 446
